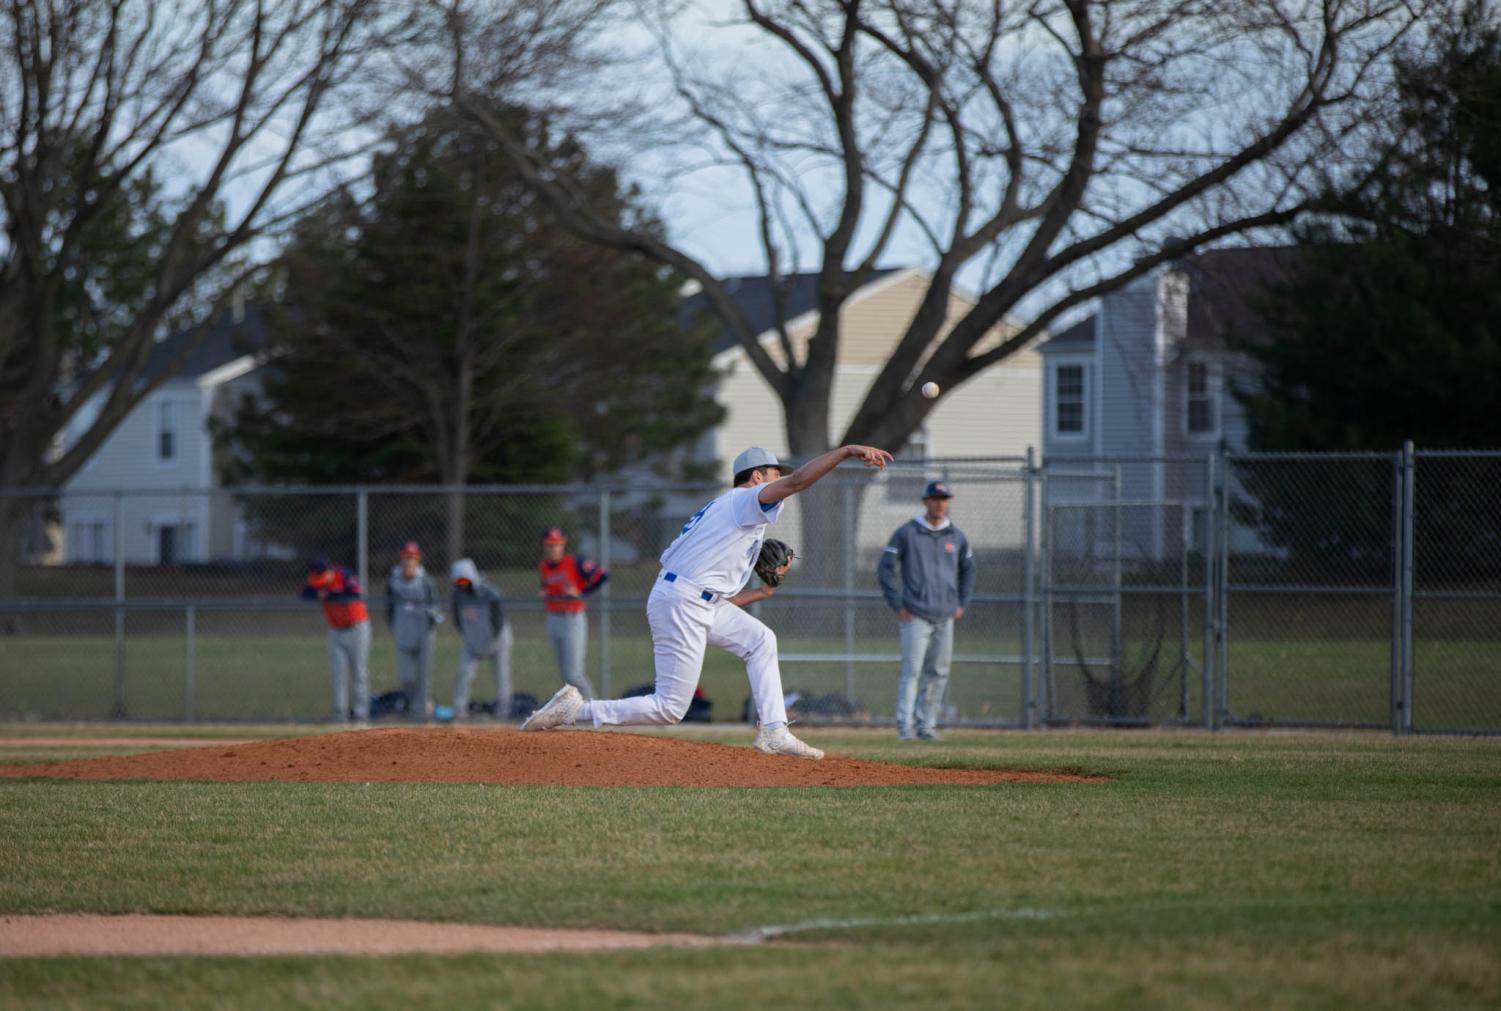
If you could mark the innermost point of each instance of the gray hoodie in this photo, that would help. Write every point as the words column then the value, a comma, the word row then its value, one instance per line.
column 477, row 613
column 411, row 608
column 938, row 570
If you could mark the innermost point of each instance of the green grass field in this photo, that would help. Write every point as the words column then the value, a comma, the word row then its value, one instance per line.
column 280, row 675
column 1227, row 870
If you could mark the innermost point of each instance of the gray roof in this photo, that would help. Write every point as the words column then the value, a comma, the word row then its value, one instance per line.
column 753, row 293
column 1075, row 338
column 225, row 341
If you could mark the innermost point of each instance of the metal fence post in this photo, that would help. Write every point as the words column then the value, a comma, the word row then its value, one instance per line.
column 1222, row 604
column 1185, row 657
column 362, row 537
column 1029, row 599
column 1211, row 570
column 847, row 491
column 604, row 595
column 1408, row 529
column 1045, row 572
column 1399, row 482
column 189, row 631
column 118, row 521
column 1117, row 647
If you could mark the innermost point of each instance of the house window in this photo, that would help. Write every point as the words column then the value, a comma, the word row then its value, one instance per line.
column 88, row 542
column 1070, row 401
column 1201, row 408
column 166, row 431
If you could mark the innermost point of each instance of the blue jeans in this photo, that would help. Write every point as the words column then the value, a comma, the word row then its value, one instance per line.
column 927, row 651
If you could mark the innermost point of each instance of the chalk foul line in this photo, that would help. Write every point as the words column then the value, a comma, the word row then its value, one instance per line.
column 755, row 935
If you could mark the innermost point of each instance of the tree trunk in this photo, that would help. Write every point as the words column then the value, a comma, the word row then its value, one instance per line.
column 458, row 475
column 14, row 515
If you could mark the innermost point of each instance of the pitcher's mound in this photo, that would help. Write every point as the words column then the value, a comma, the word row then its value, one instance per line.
column 507, row 756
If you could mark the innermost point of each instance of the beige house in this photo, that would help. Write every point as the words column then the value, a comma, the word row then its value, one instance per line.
column 996, row 414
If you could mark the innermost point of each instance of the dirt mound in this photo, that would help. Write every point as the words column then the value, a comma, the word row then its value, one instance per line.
column 507, row 756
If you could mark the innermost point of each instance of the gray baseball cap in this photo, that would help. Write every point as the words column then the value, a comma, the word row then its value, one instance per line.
column 753, row 458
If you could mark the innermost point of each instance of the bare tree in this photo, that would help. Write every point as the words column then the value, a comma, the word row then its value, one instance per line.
column 1045, row 153
column 180, row 134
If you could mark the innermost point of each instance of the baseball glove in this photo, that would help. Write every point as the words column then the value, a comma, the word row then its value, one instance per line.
column 774, row 554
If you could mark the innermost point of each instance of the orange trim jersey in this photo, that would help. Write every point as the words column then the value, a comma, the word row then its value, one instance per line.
column 569, row 573
column 339, row 592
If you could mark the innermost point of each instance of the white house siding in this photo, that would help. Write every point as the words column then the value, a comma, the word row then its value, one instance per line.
column 753, row 415
column 226, row 537
column 128, row 460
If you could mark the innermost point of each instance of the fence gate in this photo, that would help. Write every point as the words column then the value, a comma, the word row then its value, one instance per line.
column 1126, row 594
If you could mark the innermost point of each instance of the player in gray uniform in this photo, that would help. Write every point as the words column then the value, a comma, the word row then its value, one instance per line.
column 485, row 634
column 698, row 601
column 411, row 615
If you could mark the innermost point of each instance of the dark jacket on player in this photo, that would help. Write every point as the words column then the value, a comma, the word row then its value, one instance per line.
column 938, row 570
column 477, row 612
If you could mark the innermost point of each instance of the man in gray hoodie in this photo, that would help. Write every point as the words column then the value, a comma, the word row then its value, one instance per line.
column 937, row 579
column 412, row 614
column 484, row 633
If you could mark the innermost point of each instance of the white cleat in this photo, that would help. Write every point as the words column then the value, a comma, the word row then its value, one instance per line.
column 557, row 711
column 781, row 742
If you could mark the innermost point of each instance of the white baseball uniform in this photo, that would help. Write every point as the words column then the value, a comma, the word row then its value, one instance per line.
column 711, row 559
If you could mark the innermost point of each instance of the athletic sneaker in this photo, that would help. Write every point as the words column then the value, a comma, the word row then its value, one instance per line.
column 558, row 710
column 781, row 742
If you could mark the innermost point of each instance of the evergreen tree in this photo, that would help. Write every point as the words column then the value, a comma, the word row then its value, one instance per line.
column 446, row 330
column 1390, row 330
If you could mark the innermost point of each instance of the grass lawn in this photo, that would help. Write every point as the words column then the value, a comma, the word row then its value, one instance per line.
column 1237, row 869
column 282, row 675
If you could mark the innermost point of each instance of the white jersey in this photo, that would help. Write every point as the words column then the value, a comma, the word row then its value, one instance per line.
column 719, row 544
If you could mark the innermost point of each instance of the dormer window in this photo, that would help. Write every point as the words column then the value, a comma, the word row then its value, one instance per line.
column 1201, row 398
column 1070, row 400
column 166, row 431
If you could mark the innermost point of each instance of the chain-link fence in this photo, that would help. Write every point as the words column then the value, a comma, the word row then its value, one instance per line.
column 1358, row 590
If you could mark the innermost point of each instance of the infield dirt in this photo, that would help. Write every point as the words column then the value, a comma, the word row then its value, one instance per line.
column 508, row 757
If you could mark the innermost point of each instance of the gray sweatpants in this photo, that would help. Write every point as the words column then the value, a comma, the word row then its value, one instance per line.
column 349, row 653
column 569, row 635
column 414, row 669
column 927, row 651
column 500, row 666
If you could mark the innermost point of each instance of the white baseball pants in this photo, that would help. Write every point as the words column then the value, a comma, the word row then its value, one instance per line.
column 682, row 624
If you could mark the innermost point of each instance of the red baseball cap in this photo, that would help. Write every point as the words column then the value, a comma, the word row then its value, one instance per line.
column 554, row 535
column 411, row 549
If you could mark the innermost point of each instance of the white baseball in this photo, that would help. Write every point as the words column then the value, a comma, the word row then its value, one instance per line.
column 930, row 390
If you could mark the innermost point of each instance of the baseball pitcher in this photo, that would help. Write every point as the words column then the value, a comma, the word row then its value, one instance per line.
column 699, row 598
